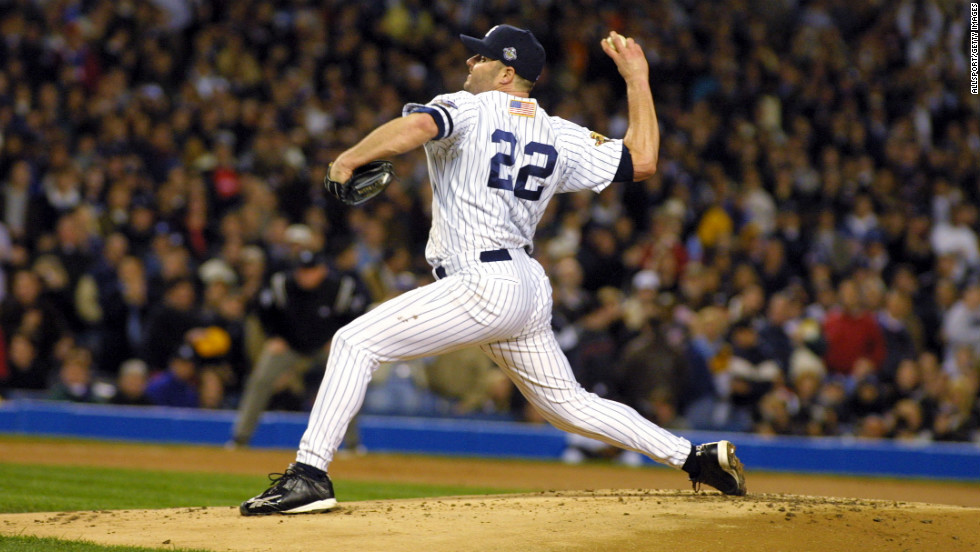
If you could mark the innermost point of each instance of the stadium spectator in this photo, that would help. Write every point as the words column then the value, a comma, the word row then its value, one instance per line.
column 75, row 379
column 177, row 384
column 654, row 372
column 957, row 237
column 98, row 280
column 167, row 324
column 470, row 380
column 124, row 307
column 600, row 257
column 598, row 334
column 847, row 135
column 961, row 324
column 958, row 412
column 774, row 330
column 252, row 268
column 571, row 303
column 753, row 370
column 211, row 389
column 131, row 384
column 26, row 311
column 707, row 395
column 853, row 335
column 17, row 203
column 893, row 320
column 26, row 370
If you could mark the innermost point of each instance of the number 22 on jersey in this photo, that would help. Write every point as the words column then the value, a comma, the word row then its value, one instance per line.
column 505, row 158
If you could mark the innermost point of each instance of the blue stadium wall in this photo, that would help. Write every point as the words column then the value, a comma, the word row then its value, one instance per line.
column 463, row 437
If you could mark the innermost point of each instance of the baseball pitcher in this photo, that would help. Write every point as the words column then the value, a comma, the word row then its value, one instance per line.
column 495, row 159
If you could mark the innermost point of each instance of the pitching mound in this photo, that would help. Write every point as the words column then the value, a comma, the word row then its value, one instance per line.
column 615, row 520
column 880, row 514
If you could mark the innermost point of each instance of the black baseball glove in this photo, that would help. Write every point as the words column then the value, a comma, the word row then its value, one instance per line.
column 366, row 182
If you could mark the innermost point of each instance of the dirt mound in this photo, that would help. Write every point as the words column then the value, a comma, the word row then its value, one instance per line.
column 620, row 520
column 885, row 514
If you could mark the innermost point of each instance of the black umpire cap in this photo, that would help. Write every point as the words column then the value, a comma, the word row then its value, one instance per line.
column 511, row 46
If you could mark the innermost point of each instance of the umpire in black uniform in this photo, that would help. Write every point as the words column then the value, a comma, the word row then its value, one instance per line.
column 299, row 310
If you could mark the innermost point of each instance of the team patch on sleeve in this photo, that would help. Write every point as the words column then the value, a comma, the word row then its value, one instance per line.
column 445, row 103
column 599, row 139
column 524, row 109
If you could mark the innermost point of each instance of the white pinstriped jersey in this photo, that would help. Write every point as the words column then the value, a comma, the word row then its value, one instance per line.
column 496, row 162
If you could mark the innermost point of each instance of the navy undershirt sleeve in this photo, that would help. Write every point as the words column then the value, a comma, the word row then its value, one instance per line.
column 438, row 118
column 624, row 173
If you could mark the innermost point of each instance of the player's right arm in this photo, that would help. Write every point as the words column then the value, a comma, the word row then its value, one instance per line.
column 392, row 138
column 643, row 133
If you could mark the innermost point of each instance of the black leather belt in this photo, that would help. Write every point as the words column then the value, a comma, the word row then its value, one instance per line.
column 492, row 256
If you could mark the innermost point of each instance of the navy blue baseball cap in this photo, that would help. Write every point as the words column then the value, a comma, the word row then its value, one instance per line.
column 511, row 46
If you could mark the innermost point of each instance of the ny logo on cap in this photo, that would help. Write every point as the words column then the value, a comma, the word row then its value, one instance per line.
column 510, row 53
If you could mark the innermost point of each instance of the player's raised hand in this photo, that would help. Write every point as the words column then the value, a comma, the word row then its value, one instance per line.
column 627, row 54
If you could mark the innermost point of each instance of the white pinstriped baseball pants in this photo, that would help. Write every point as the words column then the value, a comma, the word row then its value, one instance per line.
column 505, row 307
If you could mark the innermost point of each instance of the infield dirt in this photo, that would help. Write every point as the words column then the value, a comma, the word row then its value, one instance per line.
column 636, row 509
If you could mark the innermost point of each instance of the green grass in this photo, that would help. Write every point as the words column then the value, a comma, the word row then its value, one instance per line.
column 30, row 488
column 36, row 544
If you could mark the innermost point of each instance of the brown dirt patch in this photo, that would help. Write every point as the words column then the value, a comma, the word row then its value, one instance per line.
column 878, row 514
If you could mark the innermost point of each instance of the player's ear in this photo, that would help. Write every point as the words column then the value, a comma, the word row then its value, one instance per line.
column 507, row 75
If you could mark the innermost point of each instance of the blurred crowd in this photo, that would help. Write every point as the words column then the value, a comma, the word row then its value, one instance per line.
column 804, row 262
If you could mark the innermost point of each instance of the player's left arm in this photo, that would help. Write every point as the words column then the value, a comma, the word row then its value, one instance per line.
column 643, row 133
column 395, row 137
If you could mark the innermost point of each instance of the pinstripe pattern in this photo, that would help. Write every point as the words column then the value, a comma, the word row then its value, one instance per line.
column 467, row 214
column 503, row 306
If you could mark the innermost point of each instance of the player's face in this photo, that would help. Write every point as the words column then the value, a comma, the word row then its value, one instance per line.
column 483, row 74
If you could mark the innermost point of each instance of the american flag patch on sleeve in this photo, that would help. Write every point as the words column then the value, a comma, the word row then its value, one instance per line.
column 524, row 109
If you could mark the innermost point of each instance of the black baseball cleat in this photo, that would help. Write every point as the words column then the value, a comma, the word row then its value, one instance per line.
column 720, row 468
column 293, row 492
